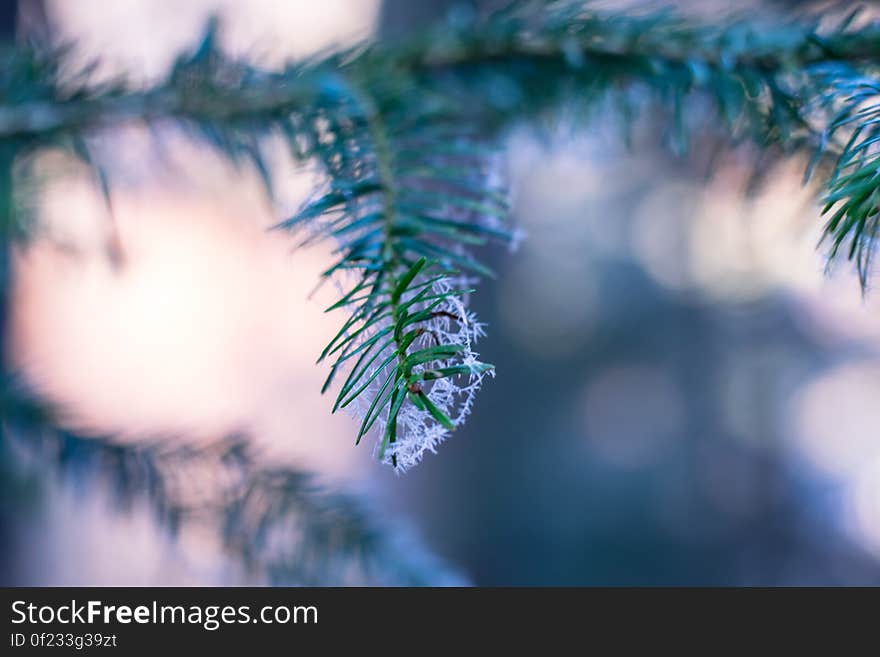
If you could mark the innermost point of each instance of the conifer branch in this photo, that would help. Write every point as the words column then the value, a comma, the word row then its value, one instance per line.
column 274, row 523
column 408, row 132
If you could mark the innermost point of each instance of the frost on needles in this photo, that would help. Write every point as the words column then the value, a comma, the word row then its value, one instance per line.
column 405, row 207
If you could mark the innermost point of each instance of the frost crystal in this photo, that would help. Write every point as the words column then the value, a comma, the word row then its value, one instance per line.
column 418, row 430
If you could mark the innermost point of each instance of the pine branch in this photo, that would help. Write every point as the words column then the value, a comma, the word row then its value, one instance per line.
column 402, row 208
column 408, row 132
column 276, row 523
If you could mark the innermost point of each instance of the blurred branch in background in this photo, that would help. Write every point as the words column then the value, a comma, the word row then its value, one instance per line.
column 276, row 525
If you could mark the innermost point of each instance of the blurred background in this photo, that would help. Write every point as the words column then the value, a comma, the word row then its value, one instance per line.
column 684, row 394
